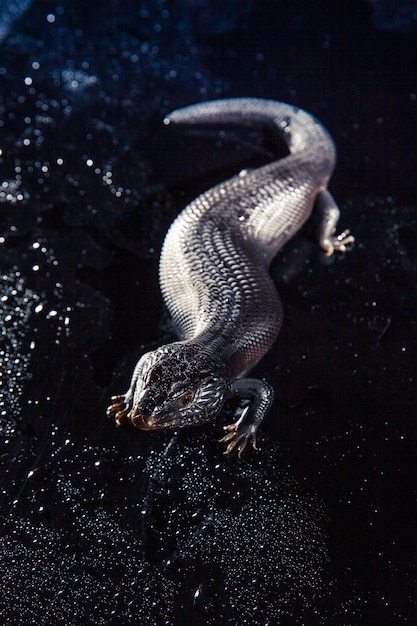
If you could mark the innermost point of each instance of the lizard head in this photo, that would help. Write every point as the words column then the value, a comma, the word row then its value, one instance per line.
column 177, row 385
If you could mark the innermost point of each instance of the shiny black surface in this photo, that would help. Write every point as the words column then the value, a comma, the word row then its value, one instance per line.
column 114, row 526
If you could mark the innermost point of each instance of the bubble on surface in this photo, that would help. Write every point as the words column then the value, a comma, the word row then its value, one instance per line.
column 17, row 304
column 260, row 540
column 77, row 100
column 77, row 80
column 238, row 536
column 11, row 191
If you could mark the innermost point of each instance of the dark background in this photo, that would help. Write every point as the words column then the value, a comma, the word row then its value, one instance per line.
column 113, row 526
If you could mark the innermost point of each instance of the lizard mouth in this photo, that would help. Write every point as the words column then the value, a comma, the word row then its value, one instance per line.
column 142, row 421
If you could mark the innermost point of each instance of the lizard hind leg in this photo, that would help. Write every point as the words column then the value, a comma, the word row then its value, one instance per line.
column 328, row 214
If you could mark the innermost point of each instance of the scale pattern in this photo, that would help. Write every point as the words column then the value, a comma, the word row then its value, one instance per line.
column 214, row 263
column 214, row 274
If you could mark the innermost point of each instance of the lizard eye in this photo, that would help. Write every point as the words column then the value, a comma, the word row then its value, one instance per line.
column 185, row 399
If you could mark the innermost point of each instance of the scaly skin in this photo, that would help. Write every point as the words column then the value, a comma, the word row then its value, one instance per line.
column 214, row 275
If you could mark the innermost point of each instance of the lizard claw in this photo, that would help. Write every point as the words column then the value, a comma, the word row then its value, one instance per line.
column 339, row 243
column 118, row 409
column 238, row 434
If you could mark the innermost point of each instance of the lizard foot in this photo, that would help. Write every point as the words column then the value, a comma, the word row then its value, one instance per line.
column 338, row 243
column 118, row 409
column 239, row 434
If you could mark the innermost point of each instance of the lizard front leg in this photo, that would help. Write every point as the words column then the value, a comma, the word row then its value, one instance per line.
column 260, row 395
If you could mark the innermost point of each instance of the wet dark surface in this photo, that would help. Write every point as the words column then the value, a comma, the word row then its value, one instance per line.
column 112, row 526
